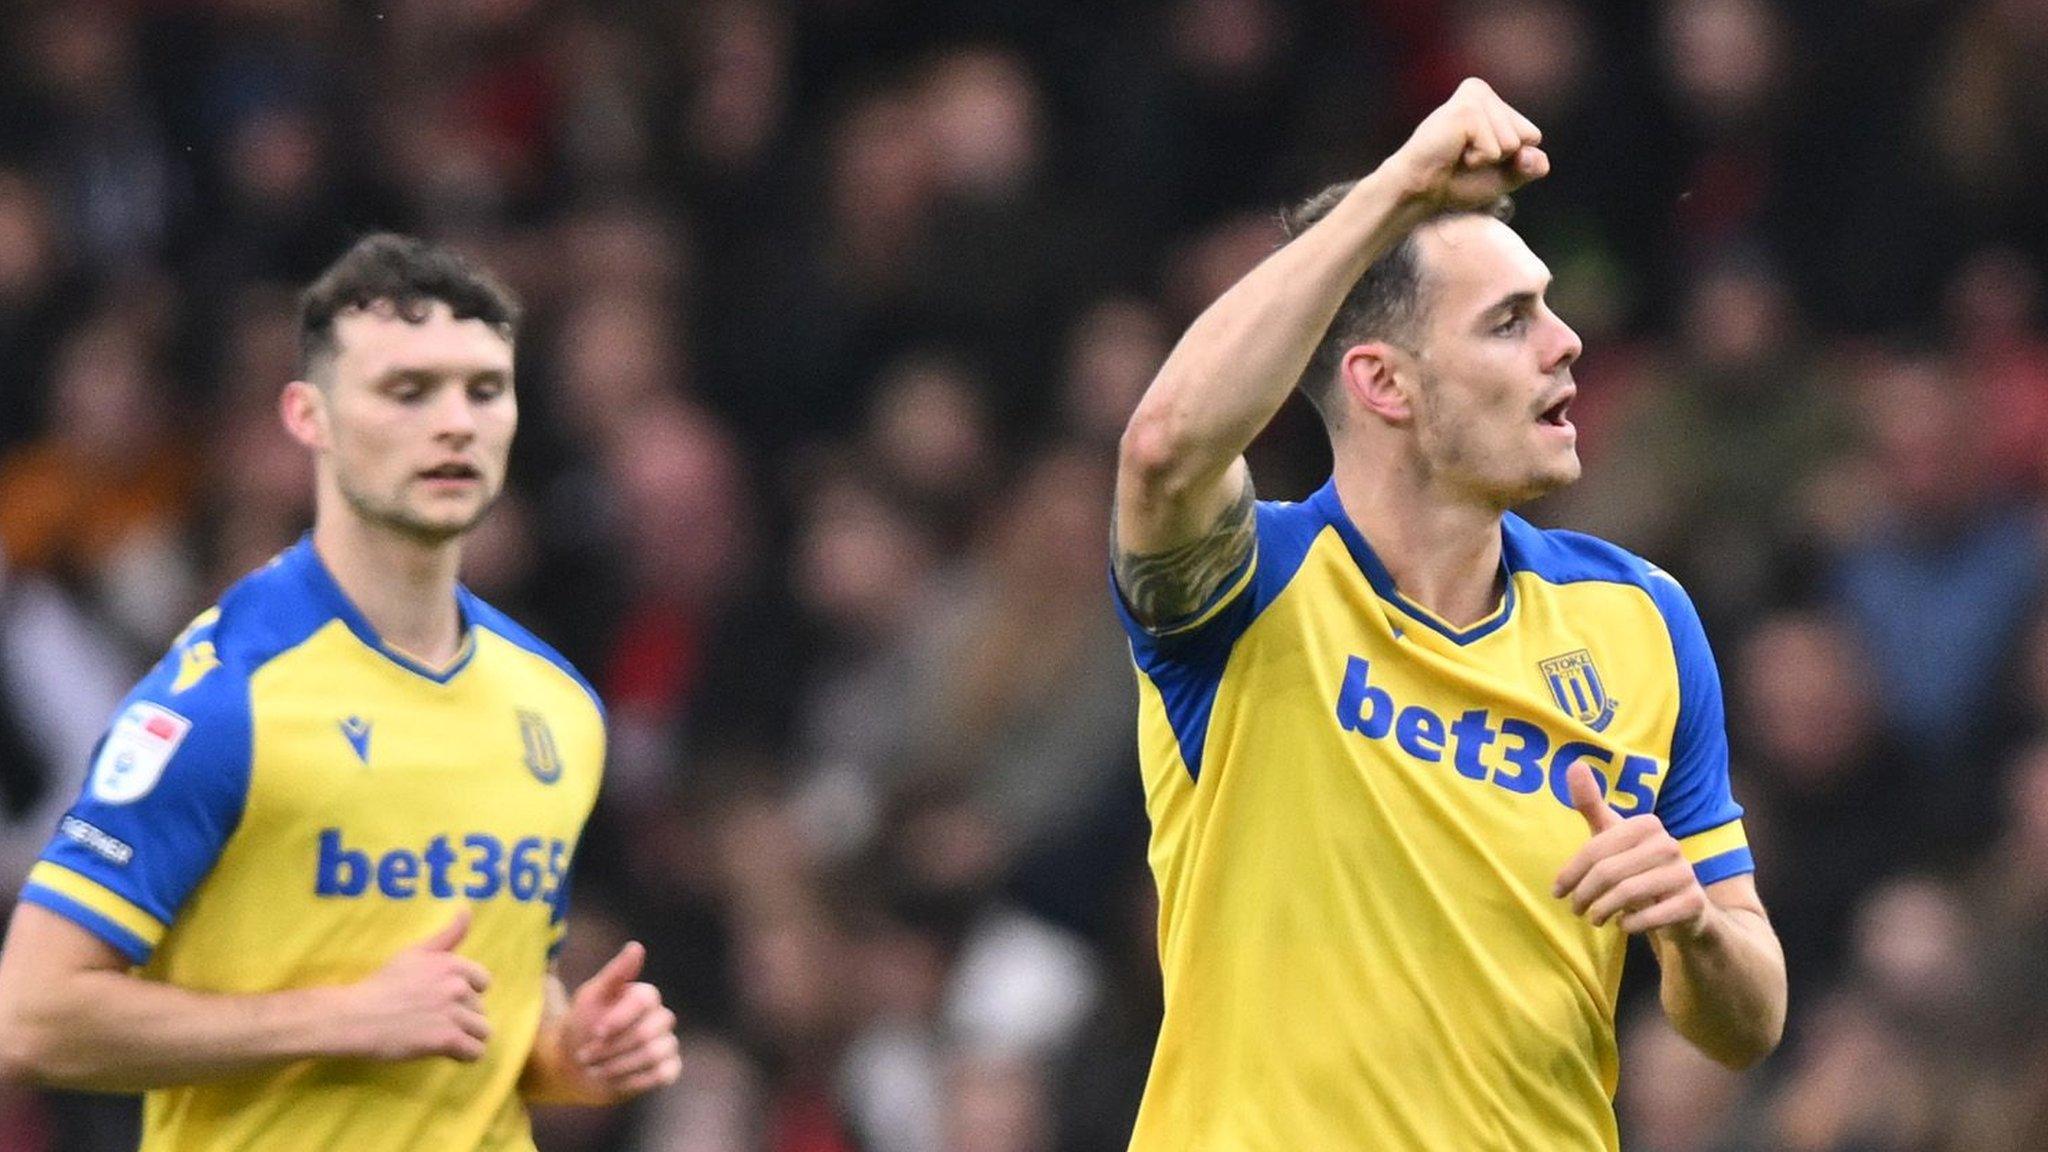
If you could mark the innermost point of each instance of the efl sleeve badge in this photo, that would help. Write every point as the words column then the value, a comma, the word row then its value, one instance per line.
column 137, row 749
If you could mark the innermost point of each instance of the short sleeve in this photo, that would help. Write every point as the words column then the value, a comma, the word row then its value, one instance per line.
column 1185, row 660
column 1696, row 803
column 1214, row 618
column 166, row 790
column 1280, row 541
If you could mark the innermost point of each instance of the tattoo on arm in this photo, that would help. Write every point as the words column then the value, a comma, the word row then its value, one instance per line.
column 1168, row 586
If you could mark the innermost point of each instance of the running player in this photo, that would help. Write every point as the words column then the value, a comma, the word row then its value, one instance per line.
column 310, row 894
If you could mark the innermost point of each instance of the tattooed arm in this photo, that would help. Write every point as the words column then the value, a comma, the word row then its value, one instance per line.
column 1181, row 462
column 1180, row 467
column 1165, row 588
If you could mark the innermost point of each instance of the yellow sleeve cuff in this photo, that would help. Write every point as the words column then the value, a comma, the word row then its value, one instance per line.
column 93, row 906
column 1714, row 842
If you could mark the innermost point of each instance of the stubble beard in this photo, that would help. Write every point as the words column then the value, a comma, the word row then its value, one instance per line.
column 1451, row 453
column 395, row 517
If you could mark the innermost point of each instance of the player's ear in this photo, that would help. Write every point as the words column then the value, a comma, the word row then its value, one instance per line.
column 303, row 408
column 1375, row 376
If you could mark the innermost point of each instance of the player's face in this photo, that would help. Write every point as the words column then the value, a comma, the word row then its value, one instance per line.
column 421, row 418
column 1496, row 364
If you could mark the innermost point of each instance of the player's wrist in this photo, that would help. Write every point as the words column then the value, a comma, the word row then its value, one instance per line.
column 551, row 1075
column 1707, row 930
column 556, row 1080
column 1401, row 192
column 321, row 1022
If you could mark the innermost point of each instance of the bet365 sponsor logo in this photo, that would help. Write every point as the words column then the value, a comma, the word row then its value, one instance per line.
column 1512, row 753
column 477, row 866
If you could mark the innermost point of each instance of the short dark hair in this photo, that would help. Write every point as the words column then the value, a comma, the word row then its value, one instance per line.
column 408, row 274
column 1385, row 302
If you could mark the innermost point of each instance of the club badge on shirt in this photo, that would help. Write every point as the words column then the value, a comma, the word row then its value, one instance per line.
column 137, row 750
column 1575, row 685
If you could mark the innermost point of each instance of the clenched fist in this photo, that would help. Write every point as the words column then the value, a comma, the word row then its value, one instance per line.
column 1471, row 151
column 616, row 1039
column 1632, row 868
column 427, row 1001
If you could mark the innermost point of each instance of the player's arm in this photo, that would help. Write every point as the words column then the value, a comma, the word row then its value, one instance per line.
column 610, row 1041
column 1182, row 502
column 1723, row 971
column 74, row 1014
column 1723, row 978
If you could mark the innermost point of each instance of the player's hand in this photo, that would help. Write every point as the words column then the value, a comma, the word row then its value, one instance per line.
column 1631, row 867
column 427, row 1001
column 1468, row 153
column 617, row 1039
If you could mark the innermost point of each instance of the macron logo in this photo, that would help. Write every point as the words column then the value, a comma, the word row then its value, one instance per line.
column 357, row 730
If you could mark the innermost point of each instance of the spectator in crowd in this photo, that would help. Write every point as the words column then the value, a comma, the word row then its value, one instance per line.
column 1941, row 538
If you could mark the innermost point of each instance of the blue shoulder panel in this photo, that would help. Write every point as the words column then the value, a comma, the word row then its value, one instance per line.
column 1561, row 557
column 1695, row 796
column 1186, row 663
column 482, row 615
column 171, row 776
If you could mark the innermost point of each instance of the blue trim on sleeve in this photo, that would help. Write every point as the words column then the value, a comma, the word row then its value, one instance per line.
column 1187, row 666
column 1231, row 586
column 1696, row 795
column 134, row 947
column 1734, row 862
column 179, row 826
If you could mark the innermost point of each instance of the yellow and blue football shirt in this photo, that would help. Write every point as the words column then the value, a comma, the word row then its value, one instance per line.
column 1357, row 814
column 286, row 801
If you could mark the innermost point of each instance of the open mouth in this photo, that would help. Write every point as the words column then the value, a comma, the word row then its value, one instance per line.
column 452, row 471
column 1555, row 414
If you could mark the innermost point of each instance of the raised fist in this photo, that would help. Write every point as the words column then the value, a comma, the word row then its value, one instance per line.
column 1468, row 153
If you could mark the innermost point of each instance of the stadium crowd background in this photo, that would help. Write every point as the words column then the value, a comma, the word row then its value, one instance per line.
column 836, row 310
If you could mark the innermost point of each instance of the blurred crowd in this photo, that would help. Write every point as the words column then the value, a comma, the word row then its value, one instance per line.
column 836, row 310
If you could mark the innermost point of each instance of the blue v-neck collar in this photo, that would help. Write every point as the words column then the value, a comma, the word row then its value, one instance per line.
column 1382, row 581
column 303, row 559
